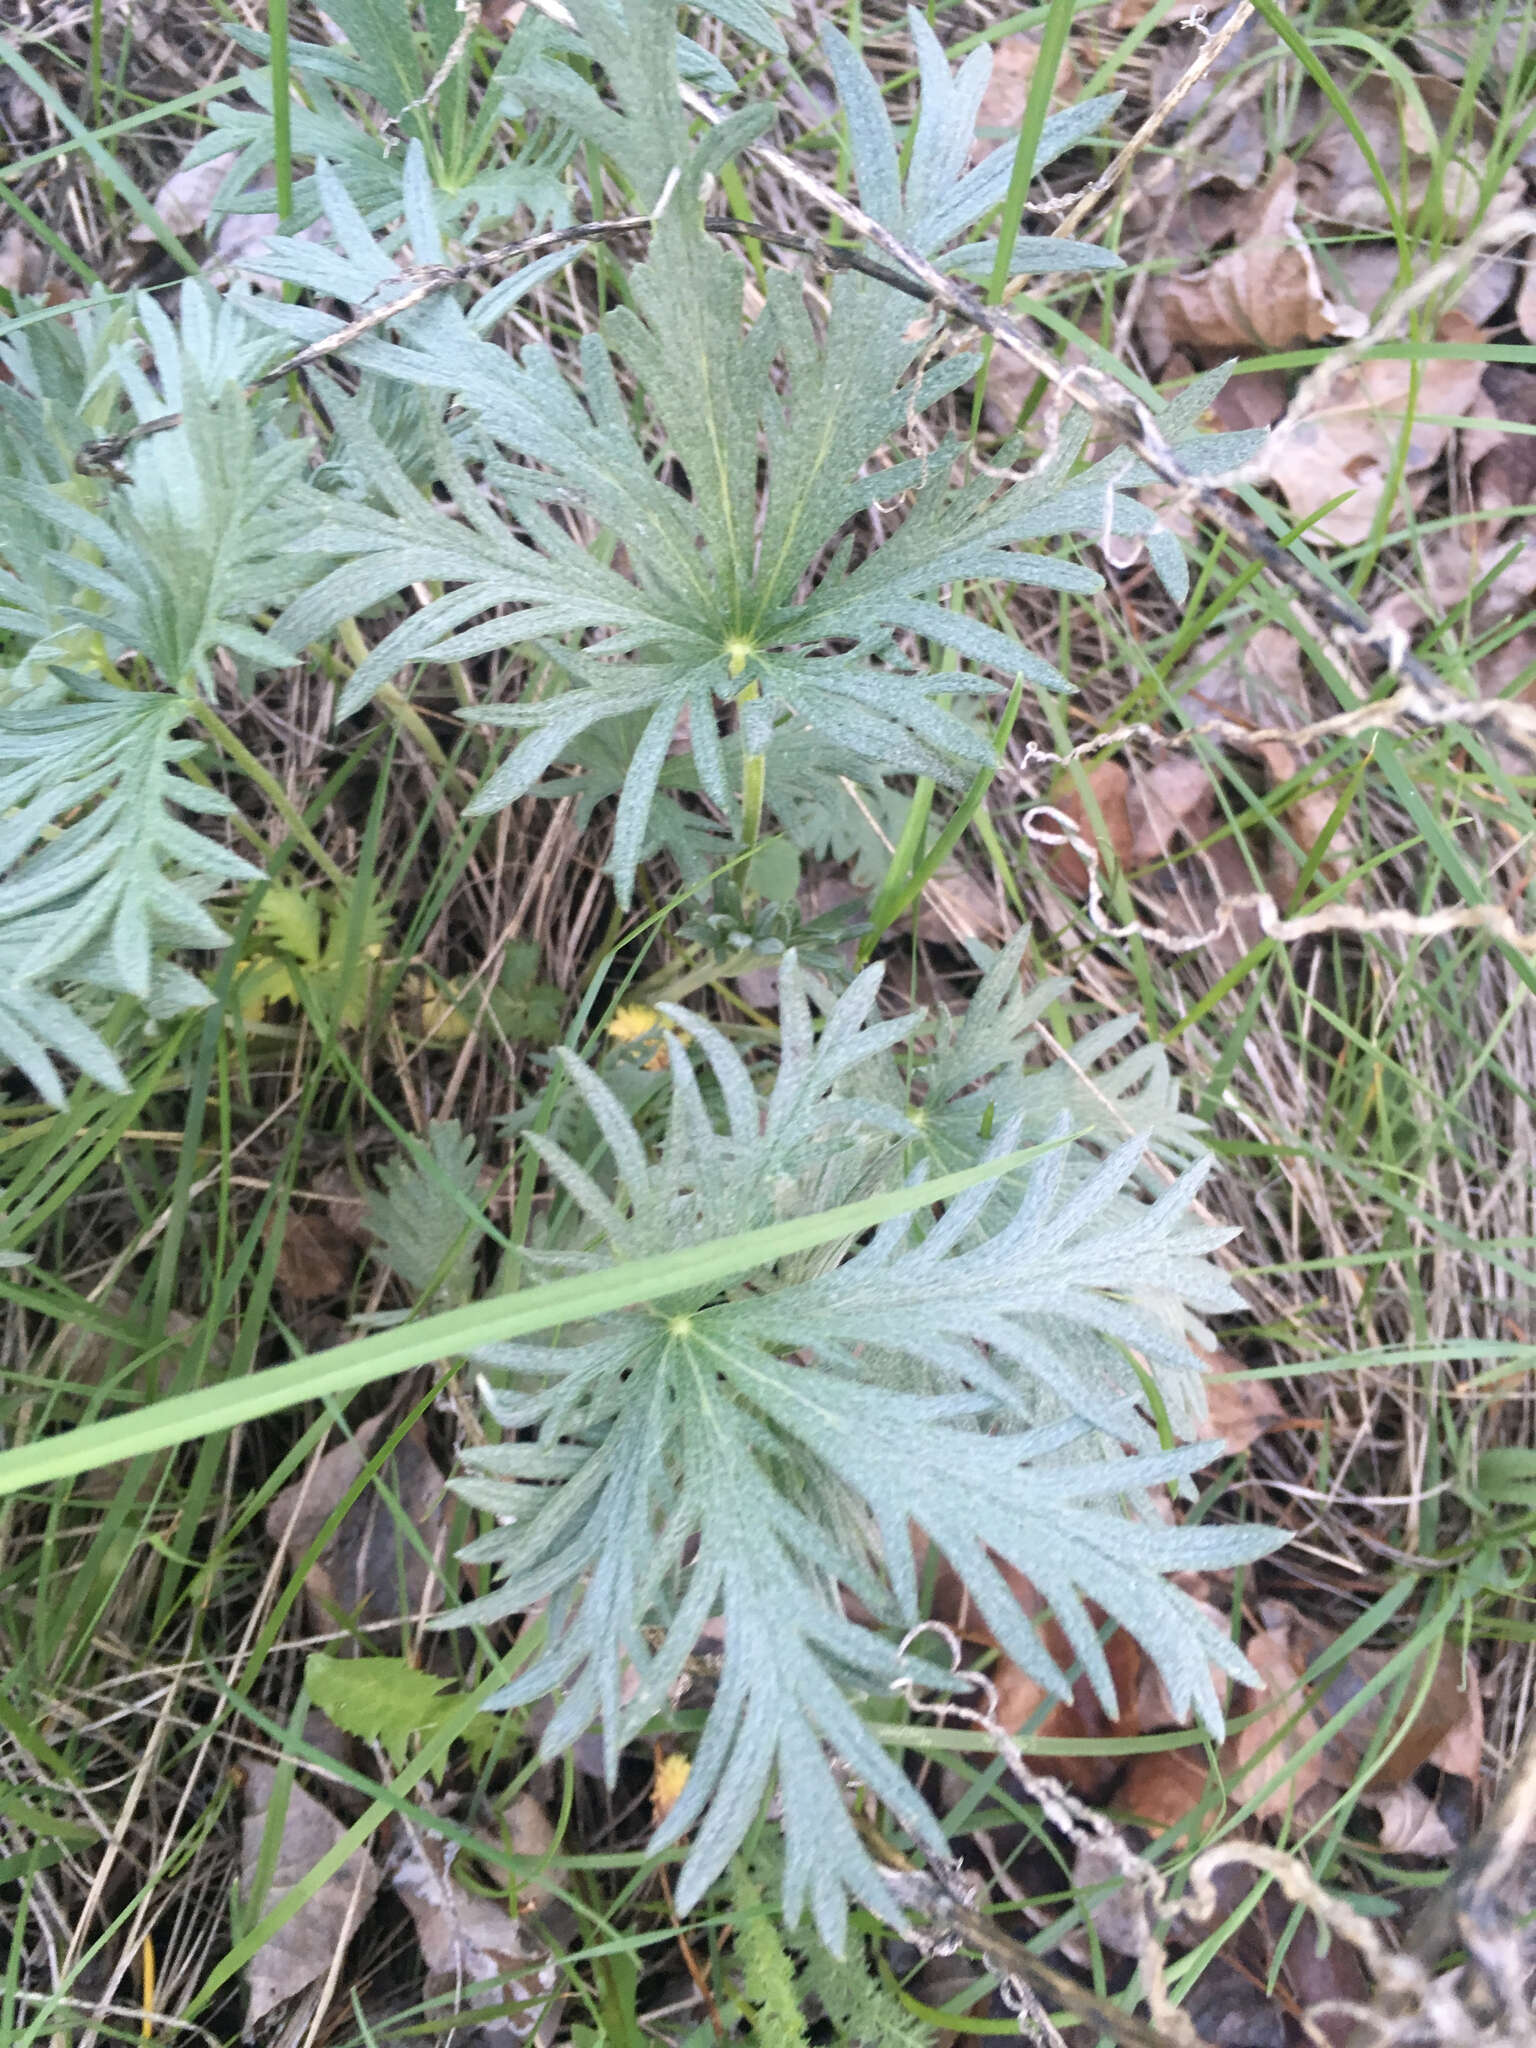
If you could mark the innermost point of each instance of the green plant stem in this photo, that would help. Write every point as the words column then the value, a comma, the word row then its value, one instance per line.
column 886, row 906
column 708, row 972
column 1037, row 106
column 282, row 107
column 754, row 782
column 897, row 897
column 96, row 9
column 272, row 789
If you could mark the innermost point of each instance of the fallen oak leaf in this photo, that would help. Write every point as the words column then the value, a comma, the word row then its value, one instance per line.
column 22, row 262
column 1410, row 1825
column 1266, row 1751
column 1017, row 1698
column 1346, row 447
column 1172, row 798
column 1448, row 33
column 1391, row 1733
column 1164, row 1788
column 1265, row 295
column 1014, row 60
column 1500, row 459
column 315, row 1260
column 1108, row 786
column 1459, row 1753
column 1240, row 1407
column 186, row 198
column 489, row 1964
column 302, row 1952
column 368, row 1570
column 1404, row 119
column 1252, row 679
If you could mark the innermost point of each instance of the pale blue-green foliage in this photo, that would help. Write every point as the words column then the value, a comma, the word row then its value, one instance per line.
column 741, row 588
column 100, row 875
column 175, row 563
column 732, row 1465
column 51, row 365
column 427, row 1215
column 101, row 899
column 941, row 198
column 388, row 64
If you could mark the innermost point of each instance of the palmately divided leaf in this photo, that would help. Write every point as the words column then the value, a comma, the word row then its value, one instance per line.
column 428, row 1216
column 943, row 198
column 102, row 897
column 34, row 1025
column 731, row 1468
column 739, row 602
column 181, row 559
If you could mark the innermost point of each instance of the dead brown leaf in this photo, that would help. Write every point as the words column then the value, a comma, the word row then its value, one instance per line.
column 1488, row 284
column 1459, row 1753
column 492, row 1966
column 1447, row 32
column 1187, row 895
column 1414, row 1725
column 1234, row 151
column 1252, row 679
column 1404, row 131
column 1320, row 1980
column 1081, row 1718
column 316, row 1260
column 1347, row 446
column 1239, row 1406
column 1010, row 381
column 1117, row 1909
column 1410, row 1825
column 1525, row 303
column 1364, row 274
column 20, row 105
column 1502, row 465
column 1166, row 801
column 1254, row 400
column 1019, row 1697
column 525, row 1830
column 1013, row 67
column 22, row 263
column 958, row 906
column 300, row 1954
column 1144, row 815
column 1448, row 570
column 1109, row 785
column 368, row 1572
column 1266, row 294
column 1162, row 1789
column 1257, row 680
column 1232, row 2004
column 183, row 202
column 1284, row 1724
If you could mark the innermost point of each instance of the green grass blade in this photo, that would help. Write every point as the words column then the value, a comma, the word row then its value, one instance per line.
column 346, row 1367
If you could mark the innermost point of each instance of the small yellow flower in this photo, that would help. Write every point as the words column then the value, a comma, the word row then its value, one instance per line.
column 667, row 1785
column 633, row 1022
